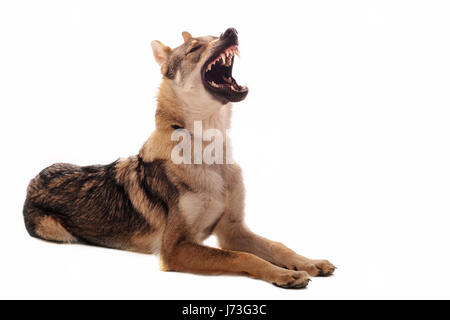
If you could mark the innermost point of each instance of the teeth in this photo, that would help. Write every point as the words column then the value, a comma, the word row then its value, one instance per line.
column 225, row 58
column 214, row 84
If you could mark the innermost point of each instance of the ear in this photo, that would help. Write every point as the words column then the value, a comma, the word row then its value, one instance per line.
column 161, row 52
column 186, row 35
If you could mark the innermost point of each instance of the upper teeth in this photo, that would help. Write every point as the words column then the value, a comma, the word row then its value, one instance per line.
column 225, row 57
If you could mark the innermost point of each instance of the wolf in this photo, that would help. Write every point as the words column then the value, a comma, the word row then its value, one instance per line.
column 146, row 203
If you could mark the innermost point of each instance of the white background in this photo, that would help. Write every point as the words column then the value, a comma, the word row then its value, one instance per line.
column 343, row 139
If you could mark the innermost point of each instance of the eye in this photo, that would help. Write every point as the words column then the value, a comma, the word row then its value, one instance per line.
column 194, row 49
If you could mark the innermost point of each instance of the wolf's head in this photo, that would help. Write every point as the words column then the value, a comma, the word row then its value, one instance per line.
column 200, row 70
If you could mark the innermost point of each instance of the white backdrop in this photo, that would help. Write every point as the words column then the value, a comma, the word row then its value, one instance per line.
column 344, row 137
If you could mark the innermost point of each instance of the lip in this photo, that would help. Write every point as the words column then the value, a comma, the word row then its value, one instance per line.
column 224, row 90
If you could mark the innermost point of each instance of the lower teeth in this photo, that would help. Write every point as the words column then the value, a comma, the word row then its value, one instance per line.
column 230, row 84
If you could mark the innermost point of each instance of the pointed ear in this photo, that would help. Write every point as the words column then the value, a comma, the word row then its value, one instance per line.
column 161, row 52
column 186, row 35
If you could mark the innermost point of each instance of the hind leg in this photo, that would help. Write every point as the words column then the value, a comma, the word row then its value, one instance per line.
column 42, row 225
column 49, row 228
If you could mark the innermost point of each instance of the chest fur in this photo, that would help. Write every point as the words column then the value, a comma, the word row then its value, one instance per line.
column 202, row 209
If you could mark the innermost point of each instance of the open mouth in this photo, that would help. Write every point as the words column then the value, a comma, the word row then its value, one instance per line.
column 217, row 76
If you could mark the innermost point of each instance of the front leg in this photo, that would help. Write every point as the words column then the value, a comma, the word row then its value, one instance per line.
column 235, row 236
column 179, row 253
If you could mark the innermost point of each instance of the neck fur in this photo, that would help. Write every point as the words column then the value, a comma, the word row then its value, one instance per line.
column 184, row 107
column 175, row 109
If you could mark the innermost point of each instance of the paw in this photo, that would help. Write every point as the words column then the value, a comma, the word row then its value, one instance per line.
column 291, row 279
column 325, row 267
column 314, row 268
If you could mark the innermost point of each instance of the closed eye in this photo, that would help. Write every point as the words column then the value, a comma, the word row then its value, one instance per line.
column 194, row 49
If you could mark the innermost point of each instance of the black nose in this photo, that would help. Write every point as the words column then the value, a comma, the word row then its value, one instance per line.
column 230, row 34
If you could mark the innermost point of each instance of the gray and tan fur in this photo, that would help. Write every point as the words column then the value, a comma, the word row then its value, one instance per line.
column 148, row 204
